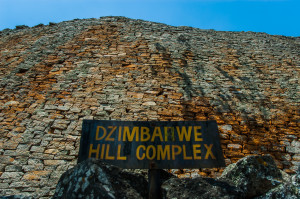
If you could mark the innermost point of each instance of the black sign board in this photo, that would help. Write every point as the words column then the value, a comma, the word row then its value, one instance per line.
column 145, row 145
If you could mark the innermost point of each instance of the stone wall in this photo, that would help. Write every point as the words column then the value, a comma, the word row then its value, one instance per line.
column 114, row 68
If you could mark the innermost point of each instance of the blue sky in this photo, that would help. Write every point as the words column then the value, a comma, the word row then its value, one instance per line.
column 277, row 17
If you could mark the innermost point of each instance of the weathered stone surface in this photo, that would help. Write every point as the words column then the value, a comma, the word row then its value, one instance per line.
column 255, row 175
column 283, row 191
column 12, row 175
column 251, row 177
column 289, row 189
column 296, row 177
column 15, row 197
column 95, row 179
column 199, row 188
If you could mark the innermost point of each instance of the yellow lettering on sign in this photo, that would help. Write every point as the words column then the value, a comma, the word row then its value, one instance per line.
column 185, row 157
column 197, row 134
column 183, row 134
column 138, row 152
column 109, row 138
column 120, row 133
column 157, row 133
column 196, row 151
column 102, row 151
column 130, row 136
column 107, row 157
column 119, row 157
column 209, row 152
column 167, row 133
column 161, row 154
column 175, row 152
column 145, row 135
column 97, row 133
column 150, row 148
column 91, row 151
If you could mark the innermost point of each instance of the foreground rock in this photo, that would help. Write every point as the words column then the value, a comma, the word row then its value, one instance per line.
column 255, row 175
column 251, row 177
column 95, row 179
column 15, row 197
column 289, row 189
column 199, row 188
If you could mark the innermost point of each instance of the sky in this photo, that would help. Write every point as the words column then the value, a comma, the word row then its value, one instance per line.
column 276, row 17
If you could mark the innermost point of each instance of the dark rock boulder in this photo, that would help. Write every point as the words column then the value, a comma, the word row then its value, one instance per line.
column 283, row 191
column 296, row 177
column 251, row 177
column 255, row 175
column 15, row 197
column 289, row 189
column 199, row 188
column 95, row 179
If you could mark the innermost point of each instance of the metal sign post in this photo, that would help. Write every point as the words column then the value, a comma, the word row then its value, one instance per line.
column 154, row 181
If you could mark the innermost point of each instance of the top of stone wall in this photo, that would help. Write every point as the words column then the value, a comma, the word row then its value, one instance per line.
column 94, row 21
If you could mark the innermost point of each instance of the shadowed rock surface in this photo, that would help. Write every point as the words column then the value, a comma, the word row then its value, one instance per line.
column 255, row 175
column 15, row 197
column 251, row 177
column 199, row 188
column 283, row 191
column 95, row 179
column 289, row 189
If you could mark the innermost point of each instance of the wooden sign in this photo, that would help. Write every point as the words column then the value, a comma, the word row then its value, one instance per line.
column 159, row 145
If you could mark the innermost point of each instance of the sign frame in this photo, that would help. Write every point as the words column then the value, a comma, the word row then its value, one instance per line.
column 200, row 149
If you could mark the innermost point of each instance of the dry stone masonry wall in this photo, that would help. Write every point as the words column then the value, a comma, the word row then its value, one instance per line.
column 114, row 68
